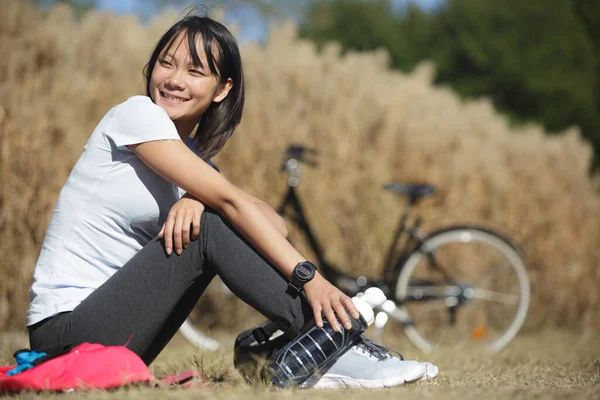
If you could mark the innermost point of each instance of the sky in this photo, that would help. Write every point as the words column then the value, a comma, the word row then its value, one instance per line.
column 252, row 26
column 132, row 6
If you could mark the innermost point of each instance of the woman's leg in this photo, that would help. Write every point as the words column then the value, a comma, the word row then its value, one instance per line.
column 144, row 302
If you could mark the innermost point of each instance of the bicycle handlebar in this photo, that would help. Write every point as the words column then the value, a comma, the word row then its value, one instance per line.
column 301, row 154
column 293, row 156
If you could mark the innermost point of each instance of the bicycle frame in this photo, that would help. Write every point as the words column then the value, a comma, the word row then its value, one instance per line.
column 330, row 272
column 398, row 265
column 395, row 258
column 392, row 263
column 408, row 247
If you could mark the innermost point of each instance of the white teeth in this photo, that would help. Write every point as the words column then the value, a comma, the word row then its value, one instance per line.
column 177, row 99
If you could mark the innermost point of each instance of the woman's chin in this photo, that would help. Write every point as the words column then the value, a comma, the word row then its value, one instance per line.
column 174, row 114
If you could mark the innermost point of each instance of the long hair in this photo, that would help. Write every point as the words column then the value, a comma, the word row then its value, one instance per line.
column 219, row 121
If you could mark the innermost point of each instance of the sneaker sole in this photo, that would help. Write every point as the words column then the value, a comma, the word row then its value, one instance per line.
column 431, row 371
column 332, row 381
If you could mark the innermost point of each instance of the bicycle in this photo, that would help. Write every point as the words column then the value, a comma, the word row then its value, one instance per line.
column 425, row 294
column 419, row 278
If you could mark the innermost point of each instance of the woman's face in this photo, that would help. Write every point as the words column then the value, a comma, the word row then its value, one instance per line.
column 183, row 90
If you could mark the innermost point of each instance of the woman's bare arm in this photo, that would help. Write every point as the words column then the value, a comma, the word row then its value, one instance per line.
column 175, row 162
column 275, row 218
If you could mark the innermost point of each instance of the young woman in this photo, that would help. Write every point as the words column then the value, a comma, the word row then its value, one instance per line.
column 125, row 257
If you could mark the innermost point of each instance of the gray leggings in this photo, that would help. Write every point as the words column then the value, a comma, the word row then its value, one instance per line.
column 145, row 302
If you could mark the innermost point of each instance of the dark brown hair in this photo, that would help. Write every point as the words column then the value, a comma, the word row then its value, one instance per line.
column 219, row 121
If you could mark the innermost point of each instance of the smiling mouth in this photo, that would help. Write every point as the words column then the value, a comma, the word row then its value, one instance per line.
column 173, row 98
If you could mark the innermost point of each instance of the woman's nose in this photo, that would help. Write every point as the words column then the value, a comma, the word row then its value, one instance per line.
column 175, row 80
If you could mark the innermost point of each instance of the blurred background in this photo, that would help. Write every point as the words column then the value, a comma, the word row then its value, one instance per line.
column 496, row 102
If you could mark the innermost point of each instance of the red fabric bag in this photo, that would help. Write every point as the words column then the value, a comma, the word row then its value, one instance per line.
column 85, row 366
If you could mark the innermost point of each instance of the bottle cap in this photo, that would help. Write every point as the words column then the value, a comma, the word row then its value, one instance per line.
column 364, row 309
column 365, row 302
column 374, row 297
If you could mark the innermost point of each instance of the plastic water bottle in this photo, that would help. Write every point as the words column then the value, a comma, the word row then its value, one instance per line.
column 302, row 361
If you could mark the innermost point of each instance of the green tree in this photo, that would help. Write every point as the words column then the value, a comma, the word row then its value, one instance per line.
column 368, row 25
column 534, row 59
column 588, row 12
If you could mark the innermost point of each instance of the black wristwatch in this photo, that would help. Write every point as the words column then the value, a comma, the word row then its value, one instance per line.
column 302, row 274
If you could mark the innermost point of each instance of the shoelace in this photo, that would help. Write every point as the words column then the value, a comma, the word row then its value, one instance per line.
column 378, row 350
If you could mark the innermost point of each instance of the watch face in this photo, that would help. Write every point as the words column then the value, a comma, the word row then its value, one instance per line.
column 304, row 271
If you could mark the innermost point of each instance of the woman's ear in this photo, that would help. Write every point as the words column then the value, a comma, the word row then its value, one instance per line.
column 223, row 91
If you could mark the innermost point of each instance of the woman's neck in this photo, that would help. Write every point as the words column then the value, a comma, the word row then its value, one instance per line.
column 184, row 128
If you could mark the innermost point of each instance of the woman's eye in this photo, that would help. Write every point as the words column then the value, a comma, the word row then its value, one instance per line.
column 195, row 72
column 164, row 63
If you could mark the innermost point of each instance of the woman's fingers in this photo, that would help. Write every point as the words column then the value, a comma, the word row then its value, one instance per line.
column 182, row 224
column 334, row 311
column 329, row 300
column 349, row 305
column 342, row 315
column 185, row 228
column 177, row 234
column 331, row 318
column 317, row 312
column 196, row 224
column 180, row 228
column 168, row 233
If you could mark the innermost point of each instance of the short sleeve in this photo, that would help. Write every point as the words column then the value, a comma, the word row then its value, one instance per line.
column 139, row 120
column 191, row 144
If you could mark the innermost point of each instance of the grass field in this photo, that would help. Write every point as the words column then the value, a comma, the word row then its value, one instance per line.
column 551, row 364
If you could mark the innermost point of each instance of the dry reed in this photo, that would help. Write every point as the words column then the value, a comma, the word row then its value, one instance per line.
column 58, row 76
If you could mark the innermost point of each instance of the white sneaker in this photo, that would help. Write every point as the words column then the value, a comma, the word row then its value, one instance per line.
column 431, row 371
column 368, row 365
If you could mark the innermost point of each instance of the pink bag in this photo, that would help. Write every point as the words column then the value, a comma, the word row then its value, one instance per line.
column 85, row 366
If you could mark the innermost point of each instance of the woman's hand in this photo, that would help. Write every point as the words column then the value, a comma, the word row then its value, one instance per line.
column 176, row 229
column 326, row 298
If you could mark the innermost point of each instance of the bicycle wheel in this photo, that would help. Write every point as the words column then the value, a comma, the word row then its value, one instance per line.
column 463, row 286
column 189, row 331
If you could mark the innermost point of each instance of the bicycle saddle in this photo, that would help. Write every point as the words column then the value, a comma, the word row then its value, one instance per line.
column 414, row 190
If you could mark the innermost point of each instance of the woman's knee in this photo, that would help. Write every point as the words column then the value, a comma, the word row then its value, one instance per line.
column 210, row 219
column 216, row 230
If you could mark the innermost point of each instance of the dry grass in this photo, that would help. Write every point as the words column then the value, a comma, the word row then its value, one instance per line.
column 550, row 364
column 59, row 76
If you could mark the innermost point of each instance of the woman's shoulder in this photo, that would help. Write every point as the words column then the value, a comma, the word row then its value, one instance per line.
column 139, row 100
column 140, row 111
column 137, row 105
column 138, row 120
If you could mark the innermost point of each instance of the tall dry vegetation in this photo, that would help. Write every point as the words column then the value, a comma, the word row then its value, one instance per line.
column 59, row 76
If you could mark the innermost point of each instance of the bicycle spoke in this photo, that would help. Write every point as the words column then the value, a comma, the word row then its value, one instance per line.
column 505, row 298
column 432, row 306
column 491, row 276
column 474, row 291
column 419, row 292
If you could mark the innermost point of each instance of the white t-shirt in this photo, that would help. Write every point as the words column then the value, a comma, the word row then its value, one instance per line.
column 110, row 207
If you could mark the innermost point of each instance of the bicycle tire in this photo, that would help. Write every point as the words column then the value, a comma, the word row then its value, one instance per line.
column 197, row 338
column 467, row 240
